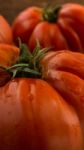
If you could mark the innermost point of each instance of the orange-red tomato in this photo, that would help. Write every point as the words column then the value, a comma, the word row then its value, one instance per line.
column 37, row 114
column 5, row 31
column 8, row 54
column 63, row 29
column 33, row 116
column 64, row 70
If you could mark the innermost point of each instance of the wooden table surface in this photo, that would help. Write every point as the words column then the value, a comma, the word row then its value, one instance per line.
column 10, row 8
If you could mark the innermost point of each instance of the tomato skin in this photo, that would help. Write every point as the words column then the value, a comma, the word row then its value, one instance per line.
column 5, row 31
column 72, row 37
column 64, row 70
column 48, row 37
column 30, row 26
column 26, row 22
column 31, row 118
column 73, row 14
column 8, row 54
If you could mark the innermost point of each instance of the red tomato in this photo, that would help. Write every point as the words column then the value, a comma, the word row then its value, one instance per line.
column 8, row 54
column 33, row 116
column 5, row 31
column 42, row 115
column 61, row 28
column 64, row 70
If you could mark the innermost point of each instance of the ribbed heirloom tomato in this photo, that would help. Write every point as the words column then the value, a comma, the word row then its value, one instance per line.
column 43, row 115
column 33, row 116
column 59, row 28
column 5, row 31
column 8, row 54
column 64, row 70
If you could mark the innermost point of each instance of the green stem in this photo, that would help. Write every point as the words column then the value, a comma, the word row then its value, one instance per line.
column 51, row 14
column 28, row 63
column 17, row 65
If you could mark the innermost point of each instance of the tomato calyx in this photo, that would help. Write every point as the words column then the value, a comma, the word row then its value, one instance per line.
column 51, row 14
column 27, row 65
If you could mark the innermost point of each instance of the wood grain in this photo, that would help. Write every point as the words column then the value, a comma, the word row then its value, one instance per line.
column 10, row 8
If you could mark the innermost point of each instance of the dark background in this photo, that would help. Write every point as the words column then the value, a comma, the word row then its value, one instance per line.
column 10, row 8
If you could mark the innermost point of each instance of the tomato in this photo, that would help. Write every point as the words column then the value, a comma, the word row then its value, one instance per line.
column 59, row 28
column 42, row 101
column 34, row 116
column 5, row 31
column 64, row 70
column 8, row 54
